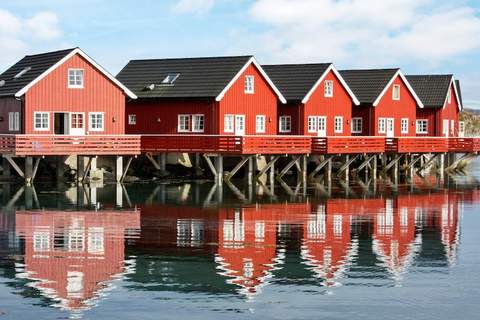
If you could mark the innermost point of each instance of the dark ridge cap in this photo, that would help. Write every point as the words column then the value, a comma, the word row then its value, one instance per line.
column 193, row 58
column 297, row 64
column 384, row 69
column 51, row 52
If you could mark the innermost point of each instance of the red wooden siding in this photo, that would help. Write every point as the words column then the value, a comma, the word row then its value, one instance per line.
column 262, row 102
column 340, row 105
column 99, row 94
column 9, row 104
column 450, row 112
column 296, row 113
column 161, row 116
column 432, row 116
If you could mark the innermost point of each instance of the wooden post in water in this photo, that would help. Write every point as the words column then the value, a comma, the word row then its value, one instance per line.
column 118, row 168
column 80, row 167
column 219, row 169
column 28, row 170
column 347, row 170
column 6, row 169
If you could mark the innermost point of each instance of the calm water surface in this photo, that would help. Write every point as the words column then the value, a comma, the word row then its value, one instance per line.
column 193, row 251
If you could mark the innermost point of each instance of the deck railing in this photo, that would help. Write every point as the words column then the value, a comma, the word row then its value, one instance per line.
column 416, row 144
column 348, row 145
column 227, row 144
column 43, row 145
column 464, row 144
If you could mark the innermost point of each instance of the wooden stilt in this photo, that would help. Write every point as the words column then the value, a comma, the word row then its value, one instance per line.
column 28, row 170
column 239, row 165
column 288, row 166
column 118, row 168
column 219, row 169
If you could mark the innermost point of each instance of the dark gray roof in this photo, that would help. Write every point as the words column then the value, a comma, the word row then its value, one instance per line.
column 199, row 77
column 368, row 84
column 39, row 63
column 459, row 91
column 431, row 89
column 295, row 80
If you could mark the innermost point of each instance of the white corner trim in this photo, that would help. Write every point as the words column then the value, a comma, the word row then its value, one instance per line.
column 262, row 72
column 400, row 74
column 457, row 96
column 339, row 77
column 78, row 51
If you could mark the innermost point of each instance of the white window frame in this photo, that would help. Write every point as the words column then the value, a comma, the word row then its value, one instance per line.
column 426, row 126
column 396, row 89
column 452, row 127
column 249, row 85
column 312, row 124
column 328, row 88
column 230, row 129
column 196, row 119
column 382, row 125
column 355, row 122
column 90, row 122
column 282, row 122
column 338, row 130
column 404, row 129
column 75, row 85
column 35, row 122
column 14, row 121
column 461, row 129
column 449, row 96
column 179, row 123
column 261, row 129
column 132, row 119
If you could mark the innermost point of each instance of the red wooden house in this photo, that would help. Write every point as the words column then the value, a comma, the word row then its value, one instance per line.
column 63, row 93
column 319, row 102
column 388, row 103
column 441, row 97
column 219, row 95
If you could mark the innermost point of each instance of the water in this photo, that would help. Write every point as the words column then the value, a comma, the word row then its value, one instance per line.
column 190, row 251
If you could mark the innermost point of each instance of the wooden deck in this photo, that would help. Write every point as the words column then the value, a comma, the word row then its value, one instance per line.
column 49, row 145
column 416, row 145
column 348, row 145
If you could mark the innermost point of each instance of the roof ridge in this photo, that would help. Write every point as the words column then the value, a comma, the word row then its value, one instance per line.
column 372, row 69
column 50, row 52
column 298, row 64
column 430, row 75
column 193, row 58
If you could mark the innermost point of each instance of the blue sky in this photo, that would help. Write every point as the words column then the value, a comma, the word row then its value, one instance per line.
column 420, row 36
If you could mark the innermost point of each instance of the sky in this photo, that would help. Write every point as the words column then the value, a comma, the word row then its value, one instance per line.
column 419, row 36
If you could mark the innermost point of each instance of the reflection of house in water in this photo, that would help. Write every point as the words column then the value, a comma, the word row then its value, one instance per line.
column 71, row 256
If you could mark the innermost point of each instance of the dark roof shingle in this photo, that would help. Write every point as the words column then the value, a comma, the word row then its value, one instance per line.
column 459, row 91
column 199, row 77
column 295, row 80
column 368, row 84
column 431, row 89
column 38, row 64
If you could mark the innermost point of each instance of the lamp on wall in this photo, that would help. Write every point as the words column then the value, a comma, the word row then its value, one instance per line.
column 159, row 120
column 1, row 119
column 113, row 119
column 269, row 119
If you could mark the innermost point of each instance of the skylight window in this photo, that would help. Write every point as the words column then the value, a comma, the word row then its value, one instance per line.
column 21, row 73
column 170, row 78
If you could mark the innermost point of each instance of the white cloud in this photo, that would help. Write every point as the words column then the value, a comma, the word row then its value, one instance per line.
column 193, row 6
column 366, row 32
column 43, row 26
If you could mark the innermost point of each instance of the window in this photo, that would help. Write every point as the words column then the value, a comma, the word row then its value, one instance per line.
column 198, row 123
column 13, row 121
column 132, row 119
column 285, row 124
column 183, row 123
column 170, row 78
column 75, row 78
column 461, row 128
column 77, row 121
column 96, row 121
column 260, row 124
column 381, row 125
column 338, row 125
column 249, row 84
column 404, row 125
column 357, row 125
column 228, row 123
column 396, row 92
column 42, row 121
column 312, row 124
column 449, row 96
column 328, row 88
column 422, row 126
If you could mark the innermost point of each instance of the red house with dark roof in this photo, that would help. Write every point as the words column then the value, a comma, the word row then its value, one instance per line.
column 319, row 102
column 388, row 103
column 219, row 95
column 441, row 96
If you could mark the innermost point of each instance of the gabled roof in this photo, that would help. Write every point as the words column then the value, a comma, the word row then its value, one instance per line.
column 459, row 92
column 38, row 66
column 297, row 82
column 369, row 85
column 433, row 89
column 208, row 77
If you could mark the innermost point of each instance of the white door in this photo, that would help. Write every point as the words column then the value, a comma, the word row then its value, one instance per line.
column 77, row 124
column 445, row 128
column 239, row 125
column 322, row 126
column 390, row 127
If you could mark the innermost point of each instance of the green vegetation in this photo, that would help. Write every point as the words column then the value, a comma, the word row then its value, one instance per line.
column 472, row 122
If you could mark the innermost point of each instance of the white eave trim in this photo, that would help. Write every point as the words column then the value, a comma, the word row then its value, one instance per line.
column 339, row 77
column 262, row 72
column 457, row 96
column 400, row 74
column 78, row 51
